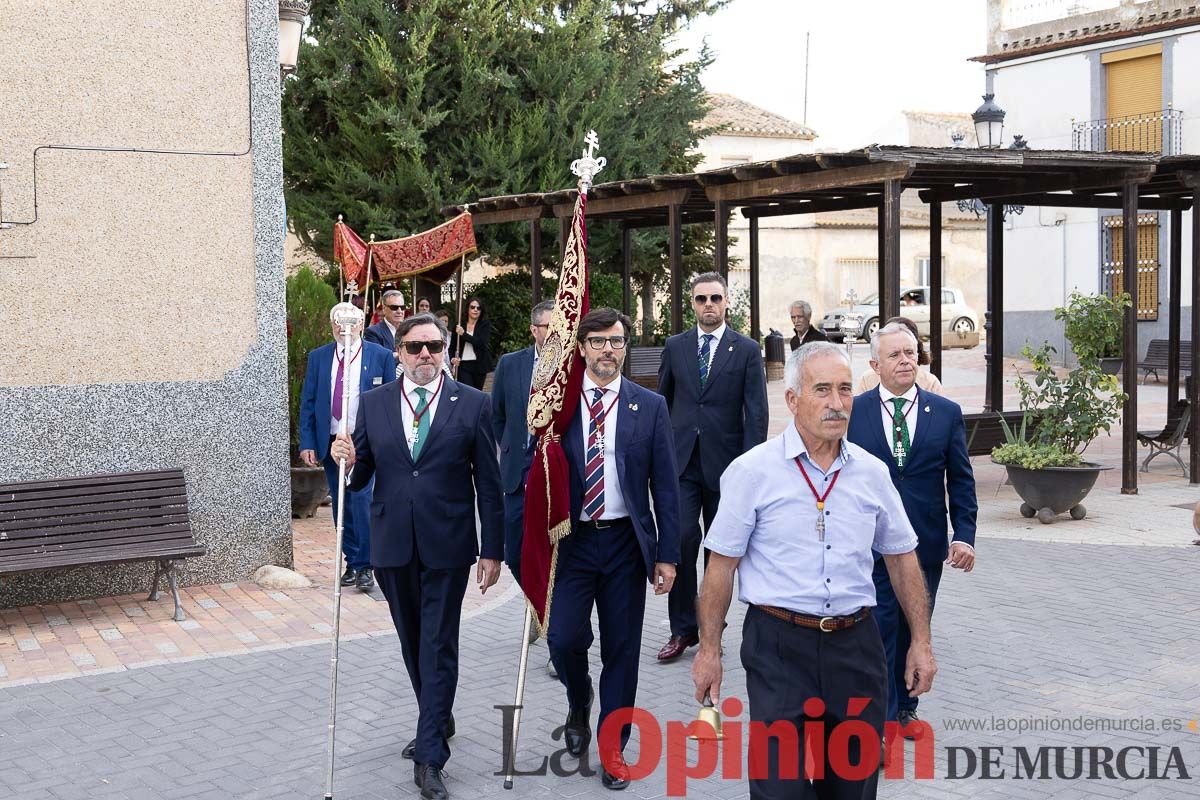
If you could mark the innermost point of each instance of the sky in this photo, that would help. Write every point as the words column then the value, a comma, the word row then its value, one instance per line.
column 868, row 61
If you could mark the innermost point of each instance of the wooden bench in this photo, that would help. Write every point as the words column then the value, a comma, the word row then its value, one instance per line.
column 1158, row 358
column 1170, row 439
column 985, row 432
column 643, row 365
column 100, row 519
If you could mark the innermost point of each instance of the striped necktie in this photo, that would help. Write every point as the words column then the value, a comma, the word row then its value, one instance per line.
column 593, row 482
column 705, row 350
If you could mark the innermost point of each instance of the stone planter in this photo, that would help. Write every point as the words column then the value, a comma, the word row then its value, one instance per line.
column 1054, row 490
column 309, row 489
column 1111, row 366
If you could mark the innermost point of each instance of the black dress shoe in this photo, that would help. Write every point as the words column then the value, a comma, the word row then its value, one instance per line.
column 365, row 580
column 618, row 779
column 428, row 779
column 410, row 749
column 349, row 576
column 577, row 731
column 905, row 718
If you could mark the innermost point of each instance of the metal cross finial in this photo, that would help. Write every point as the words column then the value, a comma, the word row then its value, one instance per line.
column 351, row 289
column 588, row 165
column 592, row 141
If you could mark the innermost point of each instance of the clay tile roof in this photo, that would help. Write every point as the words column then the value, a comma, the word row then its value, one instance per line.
column 737, row 117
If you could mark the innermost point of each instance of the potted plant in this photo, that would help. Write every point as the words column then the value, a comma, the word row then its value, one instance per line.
column 1045, row 462
column 308, row 302
column 1092, row 323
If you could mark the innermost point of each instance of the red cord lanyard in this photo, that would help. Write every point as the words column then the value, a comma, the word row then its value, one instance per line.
column 428, row 404
column 599, row 420
column 820, row 497
column 904, row 413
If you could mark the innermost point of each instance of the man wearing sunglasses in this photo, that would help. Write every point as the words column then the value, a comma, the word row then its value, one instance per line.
column 429, row 441
column 716, row 389
column 320, row 419
column 383, row 333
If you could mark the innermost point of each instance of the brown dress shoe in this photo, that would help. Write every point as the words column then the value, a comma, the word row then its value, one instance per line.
column 675, row 646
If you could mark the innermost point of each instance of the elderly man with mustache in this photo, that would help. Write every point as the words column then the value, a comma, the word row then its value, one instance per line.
column 800, row 517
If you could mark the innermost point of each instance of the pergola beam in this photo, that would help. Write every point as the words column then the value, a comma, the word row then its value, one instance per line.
column 1111, row 179
column 810, row 181
column 625, row 203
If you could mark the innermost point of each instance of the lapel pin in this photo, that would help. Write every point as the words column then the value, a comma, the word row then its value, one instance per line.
column 731, row 348
column 454, row 399
column 926, row 409
column 633, row 406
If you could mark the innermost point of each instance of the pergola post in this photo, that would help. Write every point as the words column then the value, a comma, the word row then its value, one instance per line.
column 993, row 393
column 935, row 288
column 721, row 241
column 880, row 260
column 890, row 300
column 535, row 259
column 627, row 272
column 755, row 330
column 1129, row 281
column 675, row 247
column 1173, row 322
column 1194, row 449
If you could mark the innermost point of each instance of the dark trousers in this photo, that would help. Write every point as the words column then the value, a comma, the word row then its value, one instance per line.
column 601, row 567
column 786, row 665
column 893, row 629
column 356, row 524
column 695, row 500
column 426, row 606
column 514, row 529
column 471, row 373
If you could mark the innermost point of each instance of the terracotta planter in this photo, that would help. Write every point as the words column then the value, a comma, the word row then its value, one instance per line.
column 309, row 489
column 1054, row 490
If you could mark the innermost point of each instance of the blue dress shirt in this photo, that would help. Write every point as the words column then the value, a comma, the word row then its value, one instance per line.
column 768, row 519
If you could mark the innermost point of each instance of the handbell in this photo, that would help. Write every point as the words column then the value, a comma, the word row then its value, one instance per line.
column 711, row 718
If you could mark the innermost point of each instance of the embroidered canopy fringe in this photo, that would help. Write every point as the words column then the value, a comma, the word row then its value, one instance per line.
column 433, row 254
column 553, row 400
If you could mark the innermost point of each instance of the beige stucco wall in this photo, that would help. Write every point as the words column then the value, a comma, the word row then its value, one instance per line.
column 140, row 267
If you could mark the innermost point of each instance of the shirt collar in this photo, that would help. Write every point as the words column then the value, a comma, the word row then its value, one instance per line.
column 390, row 326
column 589, row 385
column 793, row 444
column 340, row 348
column 411, row 386
column 886, row 395
column 717, row 334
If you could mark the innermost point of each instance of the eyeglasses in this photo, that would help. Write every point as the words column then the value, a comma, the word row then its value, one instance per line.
column 473, row 308
column 702, row 299
column 395, row 308
column 598, row 342
column 414, row 348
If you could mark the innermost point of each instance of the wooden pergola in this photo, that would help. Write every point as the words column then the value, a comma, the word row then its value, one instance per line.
column 875, row 177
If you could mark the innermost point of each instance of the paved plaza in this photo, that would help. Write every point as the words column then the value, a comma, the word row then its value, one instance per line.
column 1075, row 623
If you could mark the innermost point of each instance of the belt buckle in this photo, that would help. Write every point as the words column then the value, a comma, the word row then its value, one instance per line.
column 601, row 524
column 821, row 625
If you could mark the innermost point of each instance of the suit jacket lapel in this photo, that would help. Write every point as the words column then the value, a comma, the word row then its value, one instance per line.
column 720, row 356
column 526, row 372
column 922, row 426
column 392, row 402
column 446, row 408
column 324, row 389
column 692, row 346
column 627, row 420
column 573, row 444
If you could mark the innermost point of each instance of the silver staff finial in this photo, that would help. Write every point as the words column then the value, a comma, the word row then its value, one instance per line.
column 588, row 165
column 351, row 289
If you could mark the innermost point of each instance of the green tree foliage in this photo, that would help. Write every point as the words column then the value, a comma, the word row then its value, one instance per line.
column 309, row 299
column 1092, row 322
column 402, row 107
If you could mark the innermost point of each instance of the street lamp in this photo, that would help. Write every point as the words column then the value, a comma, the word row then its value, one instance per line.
column 291, row 26
column 989, row 124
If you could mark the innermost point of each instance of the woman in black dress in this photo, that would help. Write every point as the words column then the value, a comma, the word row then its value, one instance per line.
column 475, row 361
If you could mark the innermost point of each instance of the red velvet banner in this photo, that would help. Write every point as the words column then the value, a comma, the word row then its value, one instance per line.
column 434, row 254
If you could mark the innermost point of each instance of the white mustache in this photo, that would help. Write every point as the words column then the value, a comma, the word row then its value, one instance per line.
column 835, row 415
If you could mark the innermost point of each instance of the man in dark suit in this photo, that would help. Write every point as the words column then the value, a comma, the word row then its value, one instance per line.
column 716, row 390
column 510, row 401
column 384, row 332
column 922, row 439
column 429, row 440
column 801, row 313
column 620, row 459
column 320, row 420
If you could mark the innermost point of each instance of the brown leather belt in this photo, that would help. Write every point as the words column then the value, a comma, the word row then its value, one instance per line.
column 823, row 624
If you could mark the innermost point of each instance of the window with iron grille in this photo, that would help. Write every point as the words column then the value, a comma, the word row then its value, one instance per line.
column 1112, row 273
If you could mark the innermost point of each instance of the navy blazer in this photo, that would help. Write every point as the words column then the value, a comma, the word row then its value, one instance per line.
column 729, row 414
column 316, row 397
column 381, row 334
column 428, row 507
column 510, row 401
column 937, row 466
column 645, row 466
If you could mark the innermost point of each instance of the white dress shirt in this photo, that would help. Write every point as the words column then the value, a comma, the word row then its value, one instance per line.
column 888, row 410
column 614, row 501
column 414, row 402
column 353, row 380
column 712, row 346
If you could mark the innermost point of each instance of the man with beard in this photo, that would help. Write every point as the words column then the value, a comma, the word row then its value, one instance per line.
column 619, row 451
column 429, row 440
column 716, row 392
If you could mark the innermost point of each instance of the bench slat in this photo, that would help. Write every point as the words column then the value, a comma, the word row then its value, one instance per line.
column 103, row 557
column 162, row 495
column 10, row 520
column 53, row 528
column 92, row 480
column 70, row 493
column 164, row 535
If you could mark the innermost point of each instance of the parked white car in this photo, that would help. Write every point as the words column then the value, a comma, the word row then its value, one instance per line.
column 862, row 320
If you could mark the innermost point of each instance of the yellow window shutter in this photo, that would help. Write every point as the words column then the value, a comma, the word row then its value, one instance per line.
column 1135, row 103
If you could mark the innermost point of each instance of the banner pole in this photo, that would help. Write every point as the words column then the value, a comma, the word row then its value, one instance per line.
column 458, row 318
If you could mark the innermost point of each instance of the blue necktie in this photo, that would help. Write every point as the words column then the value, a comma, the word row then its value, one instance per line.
column 705, row 349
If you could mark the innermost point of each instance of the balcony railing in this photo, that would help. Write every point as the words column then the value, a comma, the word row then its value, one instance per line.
column 1155, row 132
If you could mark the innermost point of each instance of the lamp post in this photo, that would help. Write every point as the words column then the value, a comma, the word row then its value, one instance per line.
column 989, row 124
column 291, row 27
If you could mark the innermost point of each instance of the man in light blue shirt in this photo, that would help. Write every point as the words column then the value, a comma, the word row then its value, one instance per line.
column 799, row 518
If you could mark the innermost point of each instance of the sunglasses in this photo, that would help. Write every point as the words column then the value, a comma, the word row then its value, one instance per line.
column 414, row 348
column 395, row 308
column 702, row 299
column 473, row 308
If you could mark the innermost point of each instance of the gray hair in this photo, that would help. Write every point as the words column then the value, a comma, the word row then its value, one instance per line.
column 803, row 306
column 795, row 363
column 544, row 307
column 391, row 292
column 887, row 330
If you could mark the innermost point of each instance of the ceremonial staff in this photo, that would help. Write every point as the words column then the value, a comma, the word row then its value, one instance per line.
column 346, row 316
column 553, row 402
